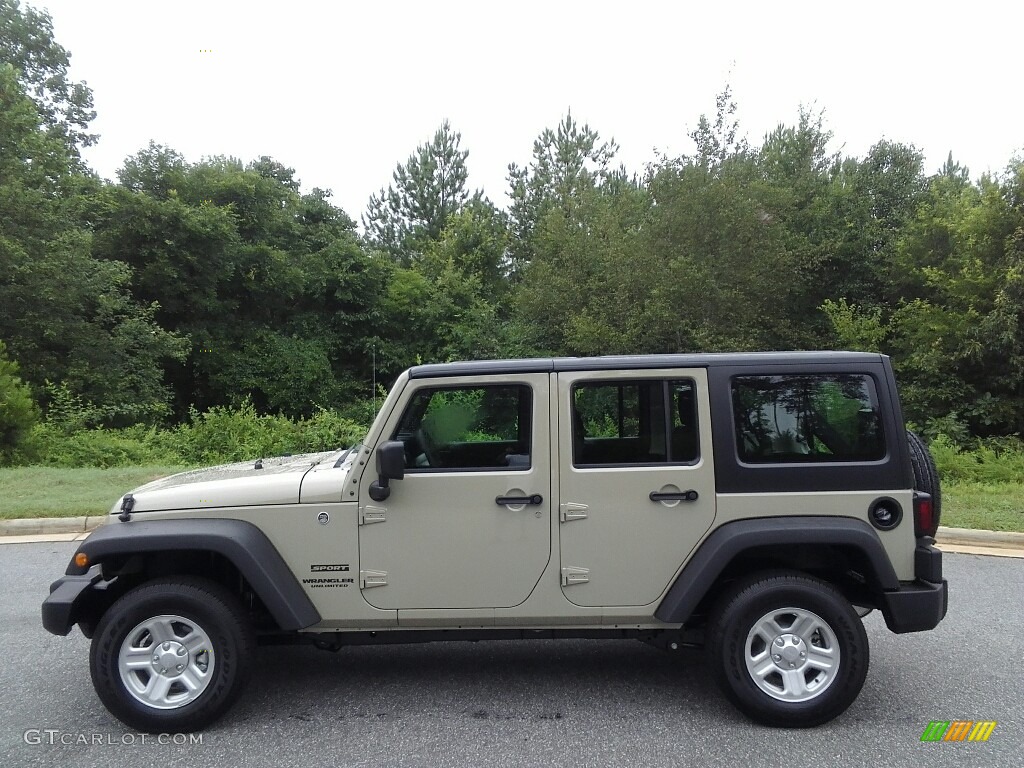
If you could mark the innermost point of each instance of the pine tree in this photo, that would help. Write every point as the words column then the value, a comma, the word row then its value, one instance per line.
column 427, row 190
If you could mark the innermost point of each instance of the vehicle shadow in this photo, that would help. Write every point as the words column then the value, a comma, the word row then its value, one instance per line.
column 521, row 680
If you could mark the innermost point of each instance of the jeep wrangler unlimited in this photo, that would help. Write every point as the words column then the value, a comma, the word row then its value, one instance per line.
column 755, row 504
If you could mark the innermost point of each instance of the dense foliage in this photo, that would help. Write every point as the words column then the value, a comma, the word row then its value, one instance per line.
column 217, row 436
column 187, row 290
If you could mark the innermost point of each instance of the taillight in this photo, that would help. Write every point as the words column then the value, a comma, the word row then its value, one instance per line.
column 925, row 523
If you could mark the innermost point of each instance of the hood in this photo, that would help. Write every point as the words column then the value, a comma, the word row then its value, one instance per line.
column 241, row 484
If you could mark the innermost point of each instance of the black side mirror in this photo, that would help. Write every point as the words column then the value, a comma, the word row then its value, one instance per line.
column 390, row 466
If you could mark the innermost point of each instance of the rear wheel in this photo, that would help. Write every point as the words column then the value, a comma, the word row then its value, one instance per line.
column 787, row 649
column 171, row 655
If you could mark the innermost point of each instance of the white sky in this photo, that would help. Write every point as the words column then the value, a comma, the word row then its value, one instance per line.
column 342, row 91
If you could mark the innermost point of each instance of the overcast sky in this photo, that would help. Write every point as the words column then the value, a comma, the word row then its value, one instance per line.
column 342, row 91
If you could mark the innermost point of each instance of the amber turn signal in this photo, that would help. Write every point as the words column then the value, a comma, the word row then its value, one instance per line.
column 81, row 559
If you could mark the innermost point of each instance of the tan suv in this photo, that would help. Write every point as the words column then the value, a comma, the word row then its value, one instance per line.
column 755, row 504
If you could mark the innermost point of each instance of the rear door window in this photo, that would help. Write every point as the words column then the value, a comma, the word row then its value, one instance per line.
column 634, row 422
column 807, row 419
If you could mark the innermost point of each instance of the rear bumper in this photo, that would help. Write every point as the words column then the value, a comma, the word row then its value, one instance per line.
column 918, row 606
column 921, row 604
column 67, row 595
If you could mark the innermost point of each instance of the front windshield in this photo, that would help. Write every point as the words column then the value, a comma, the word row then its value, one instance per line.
column 349, row 452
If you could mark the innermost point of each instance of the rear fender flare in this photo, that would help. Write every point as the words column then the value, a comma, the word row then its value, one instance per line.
column 725, row 543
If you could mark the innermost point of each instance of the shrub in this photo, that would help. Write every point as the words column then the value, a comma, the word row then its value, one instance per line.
column 238, row 434
column 224, row 434
column 361, row 411
column 989, row 461
column 50, row 445
column 67, row 411
column 326, row 430
column 17, row 411
column 218, row 436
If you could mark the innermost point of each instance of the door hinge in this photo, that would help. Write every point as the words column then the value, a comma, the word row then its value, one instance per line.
column 369, row 579
column 572, row 511
column 369, row 515
column 572, row 576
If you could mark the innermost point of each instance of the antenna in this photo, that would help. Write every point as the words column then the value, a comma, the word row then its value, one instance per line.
column 374, row 347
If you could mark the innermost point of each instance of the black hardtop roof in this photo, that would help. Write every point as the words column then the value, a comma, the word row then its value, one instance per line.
column 628, row 362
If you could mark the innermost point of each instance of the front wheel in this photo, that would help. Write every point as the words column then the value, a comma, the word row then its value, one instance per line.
column 171, row 655
column 788, row 650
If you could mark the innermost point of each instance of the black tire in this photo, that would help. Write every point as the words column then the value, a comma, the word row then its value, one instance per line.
column 926, row 476
column 200, row 603
column 731, row 636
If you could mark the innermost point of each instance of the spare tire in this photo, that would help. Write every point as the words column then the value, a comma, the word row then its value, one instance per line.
column 926, row 476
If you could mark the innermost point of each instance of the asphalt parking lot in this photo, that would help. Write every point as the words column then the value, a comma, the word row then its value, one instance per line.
column 558, row 703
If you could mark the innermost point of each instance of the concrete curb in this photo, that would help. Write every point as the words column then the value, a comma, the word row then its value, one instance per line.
column 973, row 538
column 35, row 526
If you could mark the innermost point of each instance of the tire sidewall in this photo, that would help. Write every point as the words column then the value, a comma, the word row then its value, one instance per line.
column 926, row 474
column 739, row 618
column 184, row 600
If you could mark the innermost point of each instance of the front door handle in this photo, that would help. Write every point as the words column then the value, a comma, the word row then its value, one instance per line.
column 505, row 501
column 690, row 495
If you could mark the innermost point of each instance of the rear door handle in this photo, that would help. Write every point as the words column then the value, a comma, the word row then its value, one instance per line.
column 506, row 501
column 690, row 495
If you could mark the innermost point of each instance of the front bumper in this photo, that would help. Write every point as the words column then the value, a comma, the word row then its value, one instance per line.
column 68, row 596
column 921, row 604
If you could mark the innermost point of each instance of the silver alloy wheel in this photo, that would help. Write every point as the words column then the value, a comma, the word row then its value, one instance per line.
column 792, row 654
column 166, row 662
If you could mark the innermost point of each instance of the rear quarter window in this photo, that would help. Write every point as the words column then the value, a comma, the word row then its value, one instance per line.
column 812, row 418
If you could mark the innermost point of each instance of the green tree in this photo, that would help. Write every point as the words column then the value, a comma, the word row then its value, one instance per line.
column 592, row 285
column 41, row 66
column 795, row 161
column 566, row 162
column 476, row 241
column 155, row 170
column 725, row 225
column 426, row 190
column 271, row 286
column 874, row 198
column 435, row 312
column 844, row 218
column 65, row 315
column 719, row 139
column 732, row 272
column 855, row 329
column 958, row 334
column 17, row 410
column 955, row 321
column 320, row 222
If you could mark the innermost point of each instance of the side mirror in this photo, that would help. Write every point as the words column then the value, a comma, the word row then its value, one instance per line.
column 390, row 466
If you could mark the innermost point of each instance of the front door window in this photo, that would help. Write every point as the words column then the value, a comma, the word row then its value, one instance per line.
column 466, row 428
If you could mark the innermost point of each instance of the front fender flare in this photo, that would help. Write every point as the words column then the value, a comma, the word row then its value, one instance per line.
column 731, row 539
column 240, row 542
